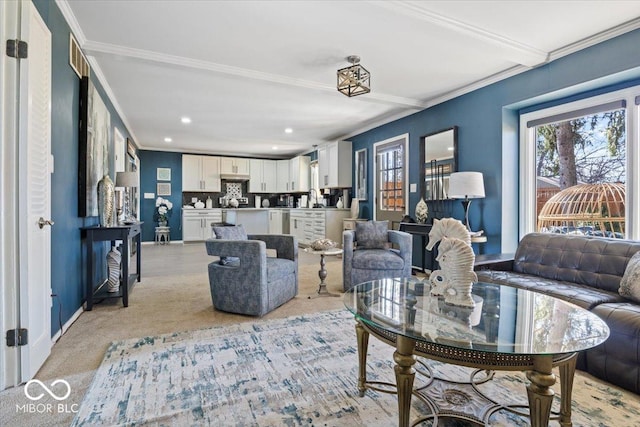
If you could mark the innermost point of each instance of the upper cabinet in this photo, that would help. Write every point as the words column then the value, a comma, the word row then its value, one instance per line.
column 299, row 174
column 262, row 176
column 230, row 166
column 282, row 176
column 334, row 164
column 200, row 173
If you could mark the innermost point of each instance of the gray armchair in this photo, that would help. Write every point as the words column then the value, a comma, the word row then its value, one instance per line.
column 366, row 258
column 245, row 280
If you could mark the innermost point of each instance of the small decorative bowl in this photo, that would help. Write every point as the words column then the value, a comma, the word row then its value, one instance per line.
column 323, row 244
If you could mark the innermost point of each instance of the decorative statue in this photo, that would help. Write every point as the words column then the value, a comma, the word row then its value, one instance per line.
column 447, row 227
column 455, row 277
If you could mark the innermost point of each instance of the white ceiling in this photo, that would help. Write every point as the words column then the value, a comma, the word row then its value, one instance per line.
column 243, row 71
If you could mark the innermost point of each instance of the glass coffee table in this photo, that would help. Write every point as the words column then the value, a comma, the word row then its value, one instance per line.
column 509, row 329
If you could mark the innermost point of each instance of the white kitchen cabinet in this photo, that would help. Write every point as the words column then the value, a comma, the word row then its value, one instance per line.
column 262, row 176
column 200, row 173
column 230, row 166
column 196, row 223
column 275, row 221
column 312, row 224
column 282, row 176
column 335, row 165
column 299, row 174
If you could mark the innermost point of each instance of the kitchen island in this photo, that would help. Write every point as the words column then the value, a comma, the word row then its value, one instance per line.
column 254, row 220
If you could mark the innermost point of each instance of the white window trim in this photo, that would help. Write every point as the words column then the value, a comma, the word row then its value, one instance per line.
column 405, row 141
column 527, row 176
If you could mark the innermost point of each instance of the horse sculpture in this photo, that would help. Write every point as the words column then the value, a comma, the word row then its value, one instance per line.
column 455, row 277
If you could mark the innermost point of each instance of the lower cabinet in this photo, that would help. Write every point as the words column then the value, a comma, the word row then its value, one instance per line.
column 312, row 224
column 196, row 224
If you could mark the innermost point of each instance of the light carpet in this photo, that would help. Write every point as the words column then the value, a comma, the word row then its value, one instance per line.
column 298, row 371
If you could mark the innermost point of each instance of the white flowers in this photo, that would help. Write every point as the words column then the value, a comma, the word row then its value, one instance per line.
column 163, row 210
column 160, row 201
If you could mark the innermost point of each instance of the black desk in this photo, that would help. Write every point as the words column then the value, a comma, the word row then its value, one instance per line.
column 102, row 234
column 421, row 230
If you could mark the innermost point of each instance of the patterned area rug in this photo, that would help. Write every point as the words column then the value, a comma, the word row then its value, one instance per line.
column 299, row 371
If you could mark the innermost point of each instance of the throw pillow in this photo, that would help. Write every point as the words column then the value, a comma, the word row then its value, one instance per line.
column 235, row 232
column 372, row 235
column 630, row 283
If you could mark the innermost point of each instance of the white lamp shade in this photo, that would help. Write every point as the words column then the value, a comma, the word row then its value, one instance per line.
column 466, row 185
column 126, row 179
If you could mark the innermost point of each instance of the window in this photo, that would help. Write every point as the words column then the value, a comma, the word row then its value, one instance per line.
column 390, row 182
column 577, row 167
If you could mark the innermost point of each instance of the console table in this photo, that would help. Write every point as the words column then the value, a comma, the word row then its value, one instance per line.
column 101, row 234
column 421, row 230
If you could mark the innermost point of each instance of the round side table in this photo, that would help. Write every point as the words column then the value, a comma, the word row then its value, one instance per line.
column 322, row 274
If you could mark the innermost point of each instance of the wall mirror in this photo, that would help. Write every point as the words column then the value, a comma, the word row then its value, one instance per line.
column 439, row 153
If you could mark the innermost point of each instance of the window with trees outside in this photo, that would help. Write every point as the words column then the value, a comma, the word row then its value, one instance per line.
column 578, row 175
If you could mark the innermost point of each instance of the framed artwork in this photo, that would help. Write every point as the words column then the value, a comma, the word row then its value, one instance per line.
column 163, row 174
column 163, row 189
column 360, row 190
column 93, row 151
column 131, row 148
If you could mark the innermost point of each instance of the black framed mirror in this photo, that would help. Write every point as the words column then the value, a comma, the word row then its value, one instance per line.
column 439, row 154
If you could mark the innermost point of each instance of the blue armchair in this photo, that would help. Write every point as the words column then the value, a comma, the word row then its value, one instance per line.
column 368, row 253
column 245, row 280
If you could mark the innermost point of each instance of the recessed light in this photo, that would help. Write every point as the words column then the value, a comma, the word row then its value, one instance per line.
column 288, row 130
column 274, row 148
column 450, row 149
column 185, row 120
column 167, row 139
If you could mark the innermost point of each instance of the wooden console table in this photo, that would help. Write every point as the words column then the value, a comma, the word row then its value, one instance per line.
column 101, row 234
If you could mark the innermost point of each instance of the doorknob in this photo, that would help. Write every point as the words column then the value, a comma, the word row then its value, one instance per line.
column 42, row 222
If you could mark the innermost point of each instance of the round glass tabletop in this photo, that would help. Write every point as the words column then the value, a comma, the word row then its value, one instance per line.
column 505, row 319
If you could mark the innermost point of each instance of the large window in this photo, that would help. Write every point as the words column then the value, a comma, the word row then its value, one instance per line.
column 577, row 167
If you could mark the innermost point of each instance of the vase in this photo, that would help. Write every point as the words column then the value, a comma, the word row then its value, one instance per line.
column 339, row 205
column 162, row 223
column 106, row 201
column 113, row 263
column 422, row 211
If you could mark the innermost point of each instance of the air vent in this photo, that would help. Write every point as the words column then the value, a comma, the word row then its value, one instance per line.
column 77, row 60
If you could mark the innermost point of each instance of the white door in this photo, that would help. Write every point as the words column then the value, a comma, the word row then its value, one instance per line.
column 36, row 166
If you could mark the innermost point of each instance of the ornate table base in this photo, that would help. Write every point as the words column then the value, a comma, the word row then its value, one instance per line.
column 451, row 399
column 322, row 273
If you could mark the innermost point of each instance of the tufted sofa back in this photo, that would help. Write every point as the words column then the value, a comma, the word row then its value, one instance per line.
column 592, row 261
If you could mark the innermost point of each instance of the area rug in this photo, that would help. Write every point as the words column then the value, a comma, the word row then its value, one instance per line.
column 298, row 371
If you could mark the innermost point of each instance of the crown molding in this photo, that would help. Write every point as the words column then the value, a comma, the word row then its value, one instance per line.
column 65, row 8
column 520, row 53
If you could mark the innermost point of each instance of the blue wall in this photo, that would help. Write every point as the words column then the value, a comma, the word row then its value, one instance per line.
column 68, row 260
column 487, row 121
column 149, row 162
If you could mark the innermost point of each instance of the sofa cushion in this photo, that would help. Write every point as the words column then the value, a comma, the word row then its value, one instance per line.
column 581, row 295
column 372, row 234
column 630, row 283
column 592, row 261
column 235, row 232
column 377, row 259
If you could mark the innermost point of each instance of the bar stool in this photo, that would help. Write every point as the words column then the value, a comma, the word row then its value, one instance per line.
column 163, row 235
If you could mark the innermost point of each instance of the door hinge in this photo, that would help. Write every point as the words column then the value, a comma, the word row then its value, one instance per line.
column 17, row 49
column 17, row 337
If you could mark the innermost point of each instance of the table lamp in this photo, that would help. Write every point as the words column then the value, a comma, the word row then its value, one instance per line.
column 466, row 185
column 127, row 180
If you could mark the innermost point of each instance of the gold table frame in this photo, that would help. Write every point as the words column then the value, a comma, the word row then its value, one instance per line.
column 538, row 370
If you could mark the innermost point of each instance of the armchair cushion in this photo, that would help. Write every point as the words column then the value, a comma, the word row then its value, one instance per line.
column 377, row 259
column 372, row 234
column 235, row 232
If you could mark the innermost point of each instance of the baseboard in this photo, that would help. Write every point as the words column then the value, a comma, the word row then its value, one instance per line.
column 66, row 326
column 173, row 242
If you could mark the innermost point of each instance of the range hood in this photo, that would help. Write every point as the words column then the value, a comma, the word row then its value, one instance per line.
column 234, row 177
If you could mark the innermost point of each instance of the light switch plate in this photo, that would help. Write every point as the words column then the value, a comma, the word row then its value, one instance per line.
column 413, row 187
column 149, row 195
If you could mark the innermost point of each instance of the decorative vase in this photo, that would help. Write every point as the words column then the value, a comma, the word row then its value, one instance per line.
column 339, row 205
column 162, row 223
column 355, row 208
column 106, row 201
column 113, row 264
column 422, row 211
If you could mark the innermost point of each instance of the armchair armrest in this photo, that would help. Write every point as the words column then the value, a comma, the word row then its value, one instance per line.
column 285, row 245
column 404, row 241
column 348, row 236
